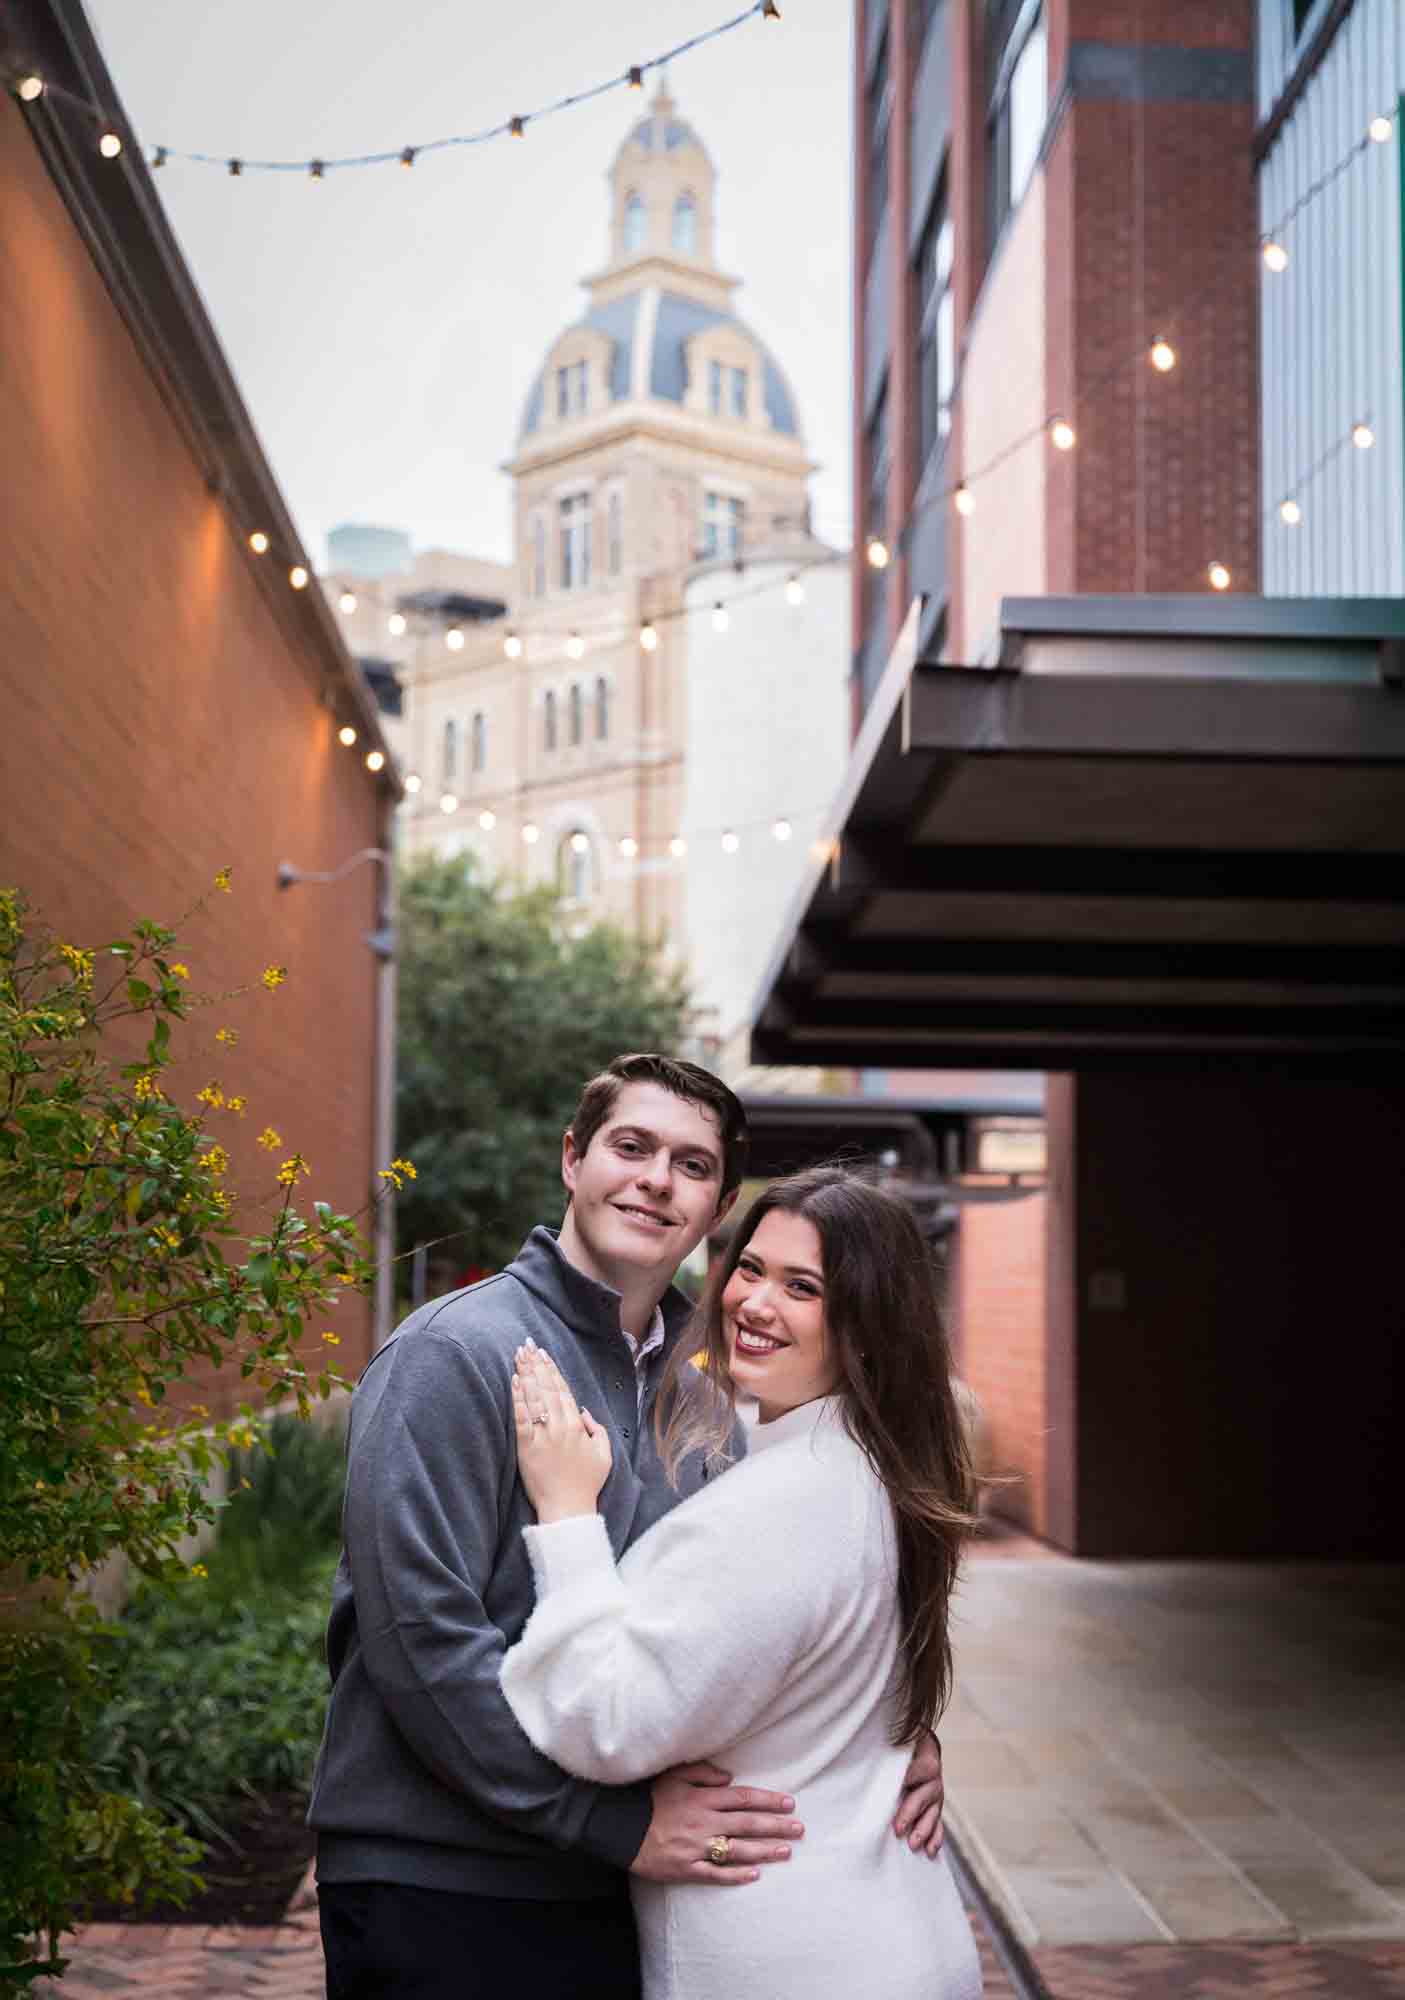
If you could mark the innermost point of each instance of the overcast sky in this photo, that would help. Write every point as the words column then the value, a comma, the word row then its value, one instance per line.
column 385, row 325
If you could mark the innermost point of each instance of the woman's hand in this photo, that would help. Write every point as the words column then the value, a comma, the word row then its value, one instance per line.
column 563, row 1455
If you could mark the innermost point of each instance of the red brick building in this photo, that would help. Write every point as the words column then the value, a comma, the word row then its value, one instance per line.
column 172, row 705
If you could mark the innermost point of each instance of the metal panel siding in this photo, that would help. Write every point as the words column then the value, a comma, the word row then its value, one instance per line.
column 878, row 312
column 1331, row 332
column 931, row 117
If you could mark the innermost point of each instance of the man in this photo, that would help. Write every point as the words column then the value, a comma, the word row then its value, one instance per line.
column 453, row 1860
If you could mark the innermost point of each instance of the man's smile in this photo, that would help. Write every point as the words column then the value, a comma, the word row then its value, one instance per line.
column 638, row 1213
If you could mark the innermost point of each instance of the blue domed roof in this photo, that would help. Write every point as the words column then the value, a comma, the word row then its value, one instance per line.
column 675, row 134
column 664, row 370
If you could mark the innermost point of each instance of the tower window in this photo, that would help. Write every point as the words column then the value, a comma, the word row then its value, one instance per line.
column 614, row 533
column 450, row 757
column 602, row 709
column 573, row 866
column 634, row 222
column 571, row 390
column 549, row 720
column 726, row 390
column 574, row 515
column 577, row 713
column 685, row 225
column 480, row 741
column 724, row 524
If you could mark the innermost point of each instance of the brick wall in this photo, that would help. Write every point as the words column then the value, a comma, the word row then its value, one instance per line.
column 162, row 717
column 999, row 1314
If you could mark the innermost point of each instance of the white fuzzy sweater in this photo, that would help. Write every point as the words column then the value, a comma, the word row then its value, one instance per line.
column 755, row 1624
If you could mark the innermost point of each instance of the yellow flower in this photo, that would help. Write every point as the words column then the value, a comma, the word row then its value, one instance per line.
column 179, row 971
column 331, row 1339
column 222, row 880
column 389, row 1174
column 198, row 1569
column 406, row 1167
column 145, row 1087
column 143, row 1395
column 167, row 1238
column 217, row 1160
column 80, row 963
column 199, row 1410
column 238, row 1105
column 39, row 1486
column 220, row 1200
column 270, row 1140
column 211, row 1095
column 291, row 1168
column 274, row 975
column 229, row 1036
column 346, row 1277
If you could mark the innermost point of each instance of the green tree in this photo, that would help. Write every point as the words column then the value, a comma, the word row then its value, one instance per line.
column 503, row 1016
column 124, row 1261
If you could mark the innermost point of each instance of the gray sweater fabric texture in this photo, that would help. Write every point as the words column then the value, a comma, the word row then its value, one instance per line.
column 424, row 1775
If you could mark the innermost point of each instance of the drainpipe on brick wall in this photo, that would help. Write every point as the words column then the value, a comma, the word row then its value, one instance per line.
column 385, row 945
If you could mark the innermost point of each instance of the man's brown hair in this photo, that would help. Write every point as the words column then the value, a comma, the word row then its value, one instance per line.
column 683, row 1079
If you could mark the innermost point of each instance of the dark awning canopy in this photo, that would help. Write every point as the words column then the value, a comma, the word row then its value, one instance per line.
column 1160, row 831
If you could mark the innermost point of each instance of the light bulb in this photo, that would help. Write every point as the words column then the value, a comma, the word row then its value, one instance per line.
column 395, row 624
column 782, row 829
column 823, row 850
column 1219, row 576
column 109, row 145
column 730, row 843
column 1163, row 355
column 720, row 619
column 407, row 158
column 375, row 760
column 1062, row 435
column 31, row 87
column 448, row 802
column 580, row 843
column 297, row 577
column 453, row 639
column 487, row 819
column 347, row 602
column 770, row 11
column 531, row 833
column 794, row 591
column 1275, row 256
column 575, row 646
column 877, row 552
column 629, row 847
column 635, row 76
column 512, row 646
column 649, row 638
column 517, row 127
column 1290, row 512
column 678, row 847
column 1380, row 128
column 315, row 169
column 346, row 734
column 963, row 499
column 158, row 158
column 413, row 781
column 236, row 168
column 258, row 542
column 1362, row 436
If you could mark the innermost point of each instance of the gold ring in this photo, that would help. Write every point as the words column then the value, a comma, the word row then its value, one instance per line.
column 718, row 1850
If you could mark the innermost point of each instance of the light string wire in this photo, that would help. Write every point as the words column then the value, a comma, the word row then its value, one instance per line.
column 510, row 127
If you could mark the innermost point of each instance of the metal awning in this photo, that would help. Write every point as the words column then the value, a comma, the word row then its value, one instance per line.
column 1160, row 831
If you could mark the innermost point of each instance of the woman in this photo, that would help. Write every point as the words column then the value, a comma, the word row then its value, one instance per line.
column 790, row 1619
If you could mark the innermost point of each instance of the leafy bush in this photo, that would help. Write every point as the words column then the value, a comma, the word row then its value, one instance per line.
column 122, row 1264
column 283, row 1519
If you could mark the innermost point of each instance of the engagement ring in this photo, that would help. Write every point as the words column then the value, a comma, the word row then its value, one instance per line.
column 718, row 1849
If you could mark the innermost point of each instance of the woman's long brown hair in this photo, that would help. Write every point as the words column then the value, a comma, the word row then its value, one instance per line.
column 884, row 1324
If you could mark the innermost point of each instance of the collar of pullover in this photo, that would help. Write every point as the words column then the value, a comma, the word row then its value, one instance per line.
column 588, row 1307
column 801, row 1422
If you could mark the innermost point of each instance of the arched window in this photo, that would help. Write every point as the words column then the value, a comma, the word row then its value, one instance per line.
column 634, row 220
column 602, row 709
column 549, row 720
column 451, row 749
column 685, row 225
column 573, row 866
column 480, row 741
column 577, row 713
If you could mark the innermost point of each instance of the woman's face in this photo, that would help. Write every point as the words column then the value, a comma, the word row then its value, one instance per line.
column 778, row 1347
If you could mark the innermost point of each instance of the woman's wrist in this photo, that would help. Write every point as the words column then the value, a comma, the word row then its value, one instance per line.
column 563, row 1510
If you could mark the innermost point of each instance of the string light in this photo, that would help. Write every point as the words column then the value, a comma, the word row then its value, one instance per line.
column 487, row 819
column 407, row 157
column 1380, row 128
column 347, row 602
column 236, row 168
column 298, row 577
column 517, row 127
column 512, row 646
column 448, row 803
column 531, row 833
column 877, row 552
column 346, row 734
column 160, row 156
column 413, row 781
column 395, row 624
column 1275, row 256
column 375, row 760
column 1062, row 435
column 258, row 542
column 1219, row 576
column 794, row 590
column 730, row 842
column 1163, row 355
column 629, row 847
column 720, row 619
column 1290, row 512
column 316, row 169
column 782, row 829
column 770, row 11
column 649, row 638
column 634, row 76
column 678, row 847
column 580, row 843
column 964, row 500
column 29, row 87
column 1362, row 436
column 575, row 646
column 109, row 145
column 453, row 639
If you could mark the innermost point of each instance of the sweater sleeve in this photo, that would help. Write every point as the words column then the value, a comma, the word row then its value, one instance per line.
column 619, row 1675
column 421, row 1525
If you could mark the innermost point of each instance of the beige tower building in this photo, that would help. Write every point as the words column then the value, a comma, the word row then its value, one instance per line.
column 659, row 467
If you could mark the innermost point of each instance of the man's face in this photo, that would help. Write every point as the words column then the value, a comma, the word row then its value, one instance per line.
column 648, row 1186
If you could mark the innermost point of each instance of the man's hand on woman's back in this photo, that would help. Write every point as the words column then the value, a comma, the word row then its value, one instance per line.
column 696, row 1803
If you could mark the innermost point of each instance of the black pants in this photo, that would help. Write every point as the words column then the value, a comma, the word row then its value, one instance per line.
column 387, row 1941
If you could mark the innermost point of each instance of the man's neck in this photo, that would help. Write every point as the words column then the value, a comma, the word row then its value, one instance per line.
column 640, row 1292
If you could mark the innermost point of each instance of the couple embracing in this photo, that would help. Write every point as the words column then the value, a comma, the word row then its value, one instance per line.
column 613, row 1633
